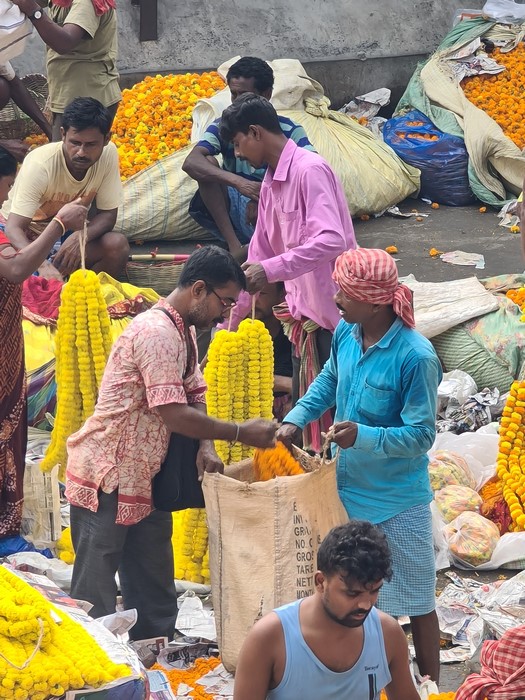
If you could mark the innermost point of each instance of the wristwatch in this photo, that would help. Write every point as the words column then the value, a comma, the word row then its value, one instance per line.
column 37, row 14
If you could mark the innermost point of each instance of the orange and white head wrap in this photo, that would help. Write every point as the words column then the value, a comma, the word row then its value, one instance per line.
column 369, row 274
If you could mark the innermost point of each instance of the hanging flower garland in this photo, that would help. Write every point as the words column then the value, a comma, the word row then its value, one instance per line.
column 510, row 464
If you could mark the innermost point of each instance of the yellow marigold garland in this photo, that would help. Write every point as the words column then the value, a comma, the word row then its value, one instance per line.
column 64, row 547
column 239, row 376
column 67, row 658
column 501, row 95
column 154, row 117
column 510, row 464
column 274, row 461
column 518, row 297
column 83, row 342
column 190, row 545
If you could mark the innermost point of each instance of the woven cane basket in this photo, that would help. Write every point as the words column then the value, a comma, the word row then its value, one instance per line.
column 162, row 277
column 14, row 124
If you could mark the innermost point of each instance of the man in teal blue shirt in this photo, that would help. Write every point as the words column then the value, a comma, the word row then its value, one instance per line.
column 382, row 378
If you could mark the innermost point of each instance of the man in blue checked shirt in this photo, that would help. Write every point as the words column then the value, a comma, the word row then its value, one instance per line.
column 382, row 378
column 226, row 201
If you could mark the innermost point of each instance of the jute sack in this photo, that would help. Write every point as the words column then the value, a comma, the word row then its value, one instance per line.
column 263, row 540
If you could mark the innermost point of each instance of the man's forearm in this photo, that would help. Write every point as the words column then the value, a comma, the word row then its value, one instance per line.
column 198, row 167
column 201, row 407
column 22, row 97
column 17, row 235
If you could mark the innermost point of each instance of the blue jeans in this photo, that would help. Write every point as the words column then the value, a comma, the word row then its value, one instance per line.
column 237, row 212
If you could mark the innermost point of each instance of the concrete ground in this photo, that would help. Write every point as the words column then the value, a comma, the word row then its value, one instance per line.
column 447, row 229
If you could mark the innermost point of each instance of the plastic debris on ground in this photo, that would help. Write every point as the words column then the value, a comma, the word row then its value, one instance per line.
column 460, row 257
column 470, row 611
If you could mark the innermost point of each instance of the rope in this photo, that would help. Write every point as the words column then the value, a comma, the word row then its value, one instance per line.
column 83, row 243
column 253, row 307
column 328, row 438
column 33, row 653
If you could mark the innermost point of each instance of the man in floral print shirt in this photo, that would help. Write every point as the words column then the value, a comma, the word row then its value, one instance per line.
column 152, row 386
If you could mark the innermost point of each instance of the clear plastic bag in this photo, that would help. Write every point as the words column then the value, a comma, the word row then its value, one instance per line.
column 447, row 468
column 504, row 10
column 454, row 500
column 471, row 538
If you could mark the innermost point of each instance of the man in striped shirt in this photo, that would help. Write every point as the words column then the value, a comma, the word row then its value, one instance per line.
column 226, row 201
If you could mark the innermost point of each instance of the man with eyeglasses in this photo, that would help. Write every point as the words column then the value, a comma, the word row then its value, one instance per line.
column 152, row 386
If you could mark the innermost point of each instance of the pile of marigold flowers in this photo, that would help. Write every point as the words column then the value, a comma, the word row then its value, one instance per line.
column 501, row 95
column 43, row 652
column 190, row 677
column 154, row 117
column 518, row 297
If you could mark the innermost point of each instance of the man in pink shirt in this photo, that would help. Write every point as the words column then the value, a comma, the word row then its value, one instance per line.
column 152, row 387
column 303, row 225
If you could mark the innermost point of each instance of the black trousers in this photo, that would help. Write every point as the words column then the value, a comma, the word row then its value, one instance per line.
column 143, row 556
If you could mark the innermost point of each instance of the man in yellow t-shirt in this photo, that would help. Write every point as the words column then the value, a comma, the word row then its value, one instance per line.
column 84, row 164
column 81, row 38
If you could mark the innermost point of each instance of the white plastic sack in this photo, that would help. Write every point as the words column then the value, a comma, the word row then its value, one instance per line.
column 440, row 544
column 292, row 85
column 456, row 386
column 439, row 306
column 14, row 30
column 509, row 553
column 480, row 450
column 504, row 10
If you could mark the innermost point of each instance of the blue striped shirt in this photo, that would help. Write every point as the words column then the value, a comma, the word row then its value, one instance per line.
column 215, row 146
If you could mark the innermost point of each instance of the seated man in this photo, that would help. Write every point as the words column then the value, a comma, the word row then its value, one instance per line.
column 12, row 88
column 271, row 295
column 83, row 165
column 226, row 202
column 335, row 644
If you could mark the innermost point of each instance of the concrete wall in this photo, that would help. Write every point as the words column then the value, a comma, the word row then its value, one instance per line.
column 350, row 46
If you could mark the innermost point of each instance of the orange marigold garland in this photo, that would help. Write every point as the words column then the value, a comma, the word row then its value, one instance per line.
column 154, row 117
column 501, row 95
column 510, row 464
column 274, row 461
column 190, row 677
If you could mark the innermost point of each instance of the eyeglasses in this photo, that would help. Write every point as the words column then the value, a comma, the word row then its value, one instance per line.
column 226, row 303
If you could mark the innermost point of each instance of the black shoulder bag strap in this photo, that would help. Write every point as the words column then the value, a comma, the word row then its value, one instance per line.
column 176, row 486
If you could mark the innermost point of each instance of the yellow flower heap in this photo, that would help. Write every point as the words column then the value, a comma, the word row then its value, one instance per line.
column 43, row 652
column 510, row 464
column 154, row 117
column 239, row 376
column 83, row 342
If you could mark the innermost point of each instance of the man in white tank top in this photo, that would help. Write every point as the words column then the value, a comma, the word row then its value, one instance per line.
column 334, row 645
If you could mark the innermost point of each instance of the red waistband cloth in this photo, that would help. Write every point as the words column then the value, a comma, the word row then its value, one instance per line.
column 502, row 675
column 370, row 275
column 4, row 240
column 101, row 6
